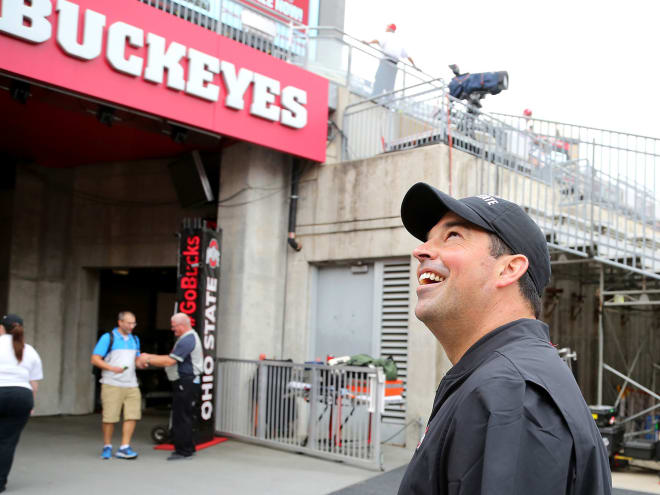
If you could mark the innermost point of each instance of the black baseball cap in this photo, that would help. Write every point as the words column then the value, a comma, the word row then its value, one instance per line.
column 9, row 320
column 423, row 206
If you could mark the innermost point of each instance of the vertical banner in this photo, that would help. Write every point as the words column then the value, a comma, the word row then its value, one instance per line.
column 198, row 282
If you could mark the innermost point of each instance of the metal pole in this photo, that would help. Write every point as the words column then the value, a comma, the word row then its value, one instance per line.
column 630, row 370
column 343, row 136
column 640, row 413
column 601, row 289
column 378, row 407
column 349, row 68
column 289, row 55
column 655, row 401
column 308, row 46
column 591, row 195
column 313, row 423
column 449, row 140
column 261, row 400
column 630, row 380
column 218, row 28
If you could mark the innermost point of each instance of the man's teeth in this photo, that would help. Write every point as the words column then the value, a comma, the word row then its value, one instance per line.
column 428, row 277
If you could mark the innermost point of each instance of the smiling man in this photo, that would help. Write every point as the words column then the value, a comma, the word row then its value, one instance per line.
column 508, row 417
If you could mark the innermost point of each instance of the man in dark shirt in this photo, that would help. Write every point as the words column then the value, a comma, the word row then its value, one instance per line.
column 508, row 417
column 183, row 366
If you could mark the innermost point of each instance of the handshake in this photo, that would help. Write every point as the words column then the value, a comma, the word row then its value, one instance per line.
column 143, row 360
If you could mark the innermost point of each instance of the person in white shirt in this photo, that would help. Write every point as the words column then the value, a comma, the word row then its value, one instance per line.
column 20, row 371
column 393, row 51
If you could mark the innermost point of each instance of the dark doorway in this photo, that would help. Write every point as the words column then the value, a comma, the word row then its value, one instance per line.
column 7, row 188
column 149, row 293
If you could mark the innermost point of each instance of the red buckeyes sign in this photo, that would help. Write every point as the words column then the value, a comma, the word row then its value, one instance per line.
column 133, row 55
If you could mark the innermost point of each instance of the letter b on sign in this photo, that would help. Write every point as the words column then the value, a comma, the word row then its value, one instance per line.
column 15, row 12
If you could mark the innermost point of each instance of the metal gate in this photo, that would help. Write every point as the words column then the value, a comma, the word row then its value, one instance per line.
column 333, row 412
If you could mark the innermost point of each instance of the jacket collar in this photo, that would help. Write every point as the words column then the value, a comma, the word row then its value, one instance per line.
column 481, row 350
column 509, row 332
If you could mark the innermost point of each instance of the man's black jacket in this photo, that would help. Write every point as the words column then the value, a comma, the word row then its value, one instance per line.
column 509, row 419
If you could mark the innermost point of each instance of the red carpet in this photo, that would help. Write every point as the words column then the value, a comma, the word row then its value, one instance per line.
column 210, row 443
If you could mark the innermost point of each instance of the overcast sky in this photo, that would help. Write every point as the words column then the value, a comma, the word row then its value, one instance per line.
column 584, row 62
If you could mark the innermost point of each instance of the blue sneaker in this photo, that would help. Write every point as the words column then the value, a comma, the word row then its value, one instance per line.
column 126, row 453
column 106, row 453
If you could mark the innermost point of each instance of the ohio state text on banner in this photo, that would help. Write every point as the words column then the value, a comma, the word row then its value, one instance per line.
column 198, row 283
column 133, row 55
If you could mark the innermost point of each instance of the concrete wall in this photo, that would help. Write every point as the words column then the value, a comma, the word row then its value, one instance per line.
column 253, row 213
column 331, row 13
column 67, row 224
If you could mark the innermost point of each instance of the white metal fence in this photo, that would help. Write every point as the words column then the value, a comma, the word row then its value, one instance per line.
column 333, row 412
column 592, row 191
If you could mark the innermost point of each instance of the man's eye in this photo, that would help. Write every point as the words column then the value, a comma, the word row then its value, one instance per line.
column 452, row 233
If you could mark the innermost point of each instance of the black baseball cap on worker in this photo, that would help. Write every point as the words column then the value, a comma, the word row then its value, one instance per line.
column 9, row 320
column 423, row 206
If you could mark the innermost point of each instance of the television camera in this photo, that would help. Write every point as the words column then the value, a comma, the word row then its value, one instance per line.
column 475, row 87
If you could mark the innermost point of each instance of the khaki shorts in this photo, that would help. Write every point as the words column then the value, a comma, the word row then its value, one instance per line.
column 114, row 398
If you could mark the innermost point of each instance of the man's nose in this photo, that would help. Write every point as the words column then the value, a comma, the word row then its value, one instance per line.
column 424, row 252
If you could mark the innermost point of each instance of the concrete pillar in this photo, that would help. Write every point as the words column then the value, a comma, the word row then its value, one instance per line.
column 80, row 322
column 332, row 13
column 336, row 141
column 37, row 286
column 328, row 50
column 253, row 215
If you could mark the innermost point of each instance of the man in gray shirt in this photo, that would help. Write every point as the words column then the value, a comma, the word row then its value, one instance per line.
column 183, row 366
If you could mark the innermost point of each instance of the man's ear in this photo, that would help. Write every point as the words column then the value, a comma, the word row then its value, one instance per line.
column 510, row 268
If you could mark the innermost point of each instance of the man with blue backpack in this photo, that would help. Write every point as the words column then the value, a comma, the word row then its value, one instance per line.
column 115, row 355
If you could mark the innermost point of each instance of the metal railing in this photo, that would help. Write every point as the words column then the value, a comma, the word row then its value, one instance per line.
column 205, row 16
column 401, row 119
column 327, row 51
column 242, row 22
column 592, row 191
column 625, row 163
column 351, row 62
column 333, row 412
column 569, row 357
